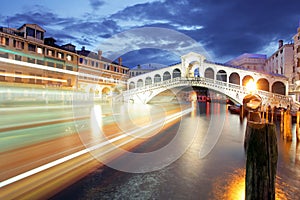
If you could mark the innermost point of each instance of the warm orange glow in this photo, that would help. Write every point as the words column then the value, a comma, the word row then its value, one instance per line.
column 32, row 77
column 193, row 96
column 250, row 86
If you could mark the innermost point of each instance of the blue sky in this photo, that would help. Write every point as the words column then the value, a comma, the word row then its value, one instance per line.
column 144, row 32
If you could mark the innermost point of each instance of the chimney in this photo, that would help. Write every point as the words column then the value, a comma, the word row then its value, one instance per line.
column 99, row 54
column 280, row 44
column 83, row 48
column 120, row 61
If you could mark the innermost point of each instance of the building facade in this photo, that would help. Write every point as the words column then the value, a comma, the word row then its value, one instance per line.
column 27, row 58
column 30, row 61
column 250, row 61
column 296, row 78
column 139, row 70
column 282, row 61
column 297, row 54
column 99, row 75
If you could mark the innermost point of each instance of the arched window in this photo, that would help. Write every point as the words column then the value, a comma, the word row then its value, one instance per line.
column 166, row 76
column 278, row 88
column 176, row 73
column 105, row 92
column 209, row 73
column 246, row 79
column 139, row 83
column 157, row 78
column 263, row 84
column 234, row 78
column 222, row 76
column 131, row 85
column 148, row 81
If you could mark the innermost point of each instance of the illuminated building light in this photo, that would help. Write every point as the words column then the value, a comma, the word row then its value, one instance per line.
column 33, row 56
column 32, row 77
column 250, row 86
column 37, row 66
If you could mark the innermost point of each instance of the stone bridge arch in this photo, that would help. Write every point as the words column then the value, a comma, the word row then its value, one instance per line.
column 228, row 76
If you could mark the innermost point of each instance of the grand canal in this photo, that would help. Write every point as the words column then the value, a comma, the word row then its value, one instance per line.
column 218, row 175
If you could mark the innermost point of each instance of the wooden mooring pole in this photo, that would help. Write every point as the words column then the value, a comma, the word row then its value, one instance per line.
column 241, row 113
column 286, row 121
column 298, row 125
column 261, row 164
column 261, row 152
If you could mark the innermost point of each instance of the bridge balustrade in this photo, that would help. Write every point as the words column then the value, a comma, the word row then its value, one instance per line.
column 217, row 85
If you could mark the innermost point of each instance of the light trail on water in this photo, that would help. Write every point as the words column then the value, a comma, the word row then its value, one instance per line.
column 139, row 132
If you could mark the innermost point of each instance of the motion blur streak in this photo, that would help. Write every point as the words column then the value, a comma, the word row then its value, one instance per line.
column 144, row 130
column 42, row 154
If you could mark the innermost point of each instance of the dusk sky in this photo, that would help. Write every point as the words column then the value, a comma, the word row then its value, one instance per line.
column 159, row 31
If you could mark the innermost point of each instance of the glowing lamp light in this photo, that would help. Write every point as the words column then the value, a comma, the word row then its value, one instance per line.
column 250, row 86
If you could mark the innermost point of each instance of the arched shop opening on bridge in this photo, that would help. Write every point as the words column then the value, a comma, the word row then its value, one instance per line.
column 234, row 78
column 106, row 92
column 277, row 87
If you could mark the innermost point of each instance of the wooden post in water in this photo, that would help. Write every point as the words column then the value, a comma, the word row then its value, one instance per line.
column 281, row 121
column 262, row 153
column 262, row 112
column 297, row 125
column 272, row 114
column 261, row 164
column 242, row 113
column 267, row 114
column 287, row 123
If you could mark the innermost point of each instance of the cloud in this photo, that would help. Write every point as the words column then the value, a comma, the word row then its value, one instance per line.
column 150, row 57
column 225, row 29
column 151, row 37
column 95, row 4
column 81, row 31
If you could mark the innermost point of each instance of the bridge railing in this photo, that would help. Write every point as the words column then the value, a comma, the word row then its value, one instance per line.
column 211, row 83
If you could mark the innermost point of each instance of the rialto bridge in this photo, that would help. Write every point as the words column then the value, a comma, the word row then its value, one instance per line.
column 194, row 70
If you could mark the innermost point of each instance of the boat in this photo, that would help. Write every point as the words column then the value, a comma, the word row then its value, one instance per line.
column 234, row 109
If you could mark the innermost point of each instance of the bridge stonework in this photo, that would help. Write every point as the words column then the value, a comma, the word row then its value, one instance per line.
column 194, row 70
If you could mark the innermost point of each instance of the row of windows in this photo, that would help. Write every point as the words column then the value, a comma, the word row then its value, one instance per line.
column 105, row 66
column 57, row 54
column 18, row 78
column 34, row 33
column 109, row 80
column 39, row 62
column 136, row 73
column 53, row 64
column 37, row 49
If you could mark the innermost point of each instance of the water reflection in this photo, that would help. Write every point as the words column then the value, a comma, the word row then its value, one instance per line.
column 232, row 186
column 220, row 175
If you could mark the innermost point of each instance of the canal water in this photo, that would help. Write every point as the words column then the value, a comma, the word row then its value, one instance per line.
column 211, row 167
